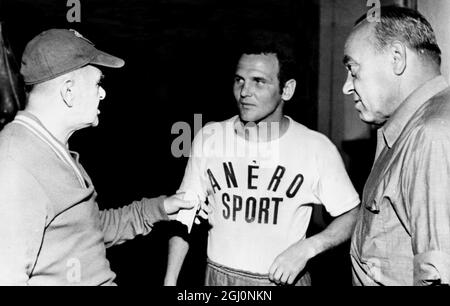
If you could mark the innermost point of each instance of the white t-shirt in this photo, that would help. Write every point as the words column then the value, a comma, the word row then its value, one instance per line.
column 261, row 192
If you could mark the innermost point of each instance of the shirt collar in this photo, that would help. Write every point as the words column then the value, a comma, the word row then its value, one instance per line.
column 395, row 125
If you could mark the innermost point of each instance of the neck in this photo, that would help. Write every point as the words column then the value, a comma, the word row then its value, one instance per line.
column 419, row 76
column 411, row 82
column 55, row 124
column 263, row 130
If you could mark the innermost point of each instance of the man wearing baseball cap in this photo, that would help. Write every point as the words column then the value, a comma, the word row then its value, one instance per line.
column 51, row 229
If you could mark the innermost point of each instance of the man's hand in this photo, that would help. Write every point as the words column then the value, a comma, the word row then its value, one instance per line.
column 174, row 203
column 288, row 265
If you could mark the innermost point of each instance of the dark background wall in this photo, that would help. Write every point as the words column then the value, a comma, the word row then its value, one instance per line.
column 178, row 63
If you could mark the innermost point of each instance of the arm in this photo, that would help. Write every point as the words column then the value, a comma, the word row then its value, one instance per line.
column 125, row 223
column 23, row 217
column 337, row 232
column 193, row 184
column 288, row 265
column 178, row 248
column 427, row 194
column 138, row 218
column 334, row 189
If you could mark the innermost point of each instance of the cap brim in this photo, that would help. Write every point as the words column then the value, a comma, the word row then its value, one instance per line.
column 107, row 60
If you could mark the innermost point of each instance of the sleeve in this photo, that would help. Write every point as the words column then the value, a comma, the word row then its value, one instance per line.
column 193, row 183
column 334, row 188
column 23, row 214
column 194, row 179
column 428, row 206
column 138, row 218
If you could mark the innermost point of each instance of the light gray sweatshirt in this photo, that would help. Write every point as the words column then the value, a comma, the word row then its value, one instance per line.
column 51, row 229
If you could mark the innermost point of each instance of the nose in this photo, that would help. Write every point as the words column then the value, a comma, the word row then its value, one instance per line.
column 101, row 93
column 246, row 90
column 348, row 88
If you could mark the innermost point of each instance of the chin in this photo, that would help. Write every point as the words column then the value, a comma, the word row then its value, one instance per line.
column 365, row 118
column 95, row 122
column 249, row 117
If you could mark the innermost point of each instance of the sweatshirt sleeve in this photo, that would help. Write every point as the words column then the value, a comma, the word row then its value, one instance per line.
column 138, row 218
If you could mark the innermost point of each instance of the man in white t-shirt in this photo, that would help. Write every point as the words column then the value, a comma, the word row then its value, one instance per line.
column 260, row 172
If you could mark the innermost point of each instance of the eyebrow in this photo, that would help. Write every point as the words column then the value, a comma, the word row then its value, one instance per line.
column 259, row 78
column 347, row 59
column 256, row 78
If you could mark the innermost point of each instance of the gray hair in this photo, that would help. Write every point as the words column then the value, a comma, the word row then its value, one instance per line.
column 409, row 27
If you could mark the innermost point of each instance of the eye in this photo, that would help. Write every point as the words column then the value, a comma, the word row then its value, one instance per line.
column 260, row 82
column 238, row 81
column 101, row 81
column 352, row 71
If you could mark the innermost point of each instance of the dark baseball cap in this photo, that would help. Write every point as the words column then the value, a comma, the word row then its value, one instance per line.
column 58, row 51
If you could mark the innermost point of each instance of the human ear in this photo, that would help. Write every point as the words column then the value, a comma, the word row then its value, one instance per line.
column 399, row 57
column 288, row 90
column 66, row 92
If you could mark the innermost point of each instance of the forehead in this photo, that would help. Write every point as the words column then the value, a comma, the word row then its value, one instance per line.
column 91, row 71
column 266, row 64
column 359, row 43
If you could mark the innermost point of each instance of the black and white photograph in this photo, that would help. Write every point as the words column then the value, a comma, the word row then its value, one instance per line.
column 249, row 144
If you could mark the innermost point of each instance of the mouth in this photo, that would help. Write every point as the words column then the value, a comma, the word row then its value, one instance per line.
column 358, row 102
column 246, row 105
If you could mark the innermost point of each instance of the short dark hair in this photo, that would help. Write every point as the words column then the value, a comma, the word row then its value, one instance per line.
column 408, row 26
column 279, row 44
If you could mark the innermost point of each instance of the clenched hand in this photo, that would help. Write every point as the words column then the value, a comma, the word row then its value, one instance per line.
column 288, row 265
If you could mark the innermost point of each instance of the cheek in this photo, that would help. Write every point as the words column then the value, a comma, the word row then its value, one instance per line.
column 236, row 92
column 271, row 99
column 94, row 95
column 372, row 90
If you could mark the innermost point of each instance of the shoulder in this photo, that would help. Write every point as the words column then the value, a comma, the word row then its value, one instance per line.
column 19, row 144
column 216, row 129
column 219, row 127
column 434, row 122
column 14, row 170
column 14, row 139
column 308, row 137
column 212, row 137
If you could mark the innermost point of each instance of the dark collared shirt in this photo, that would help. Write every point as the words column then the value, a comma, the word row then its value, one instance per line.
column 402, row 236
